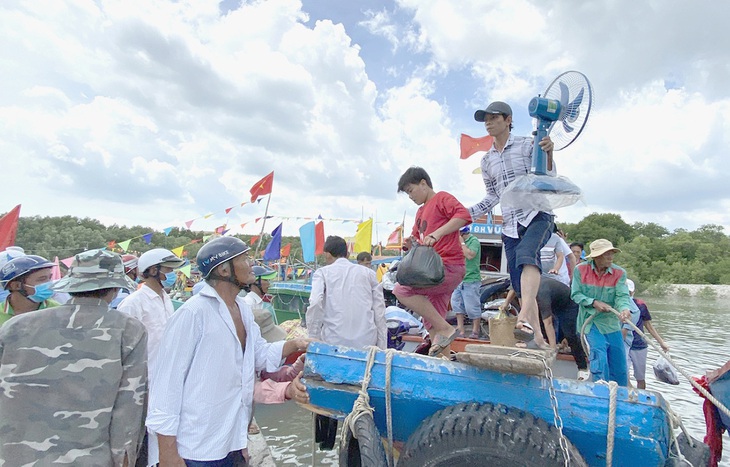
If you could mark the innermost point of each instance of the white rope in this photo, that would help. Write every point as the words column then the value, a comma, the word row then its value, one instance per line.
column 388, row 408
column 362, row 403
column 613, row 389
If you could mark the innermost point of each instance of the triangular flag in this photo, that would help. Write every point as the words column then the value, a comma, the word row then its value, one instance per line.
column 125, row 244
column 286, row 250
column 207, row 215
column 167, row 231
column 469, row 145
column 178, row 251
column 319, row 238
column 224, row 232
column 306, row 235
column 206, row 237
column 228, row 210
column 254, row 239
column 219, row 230
column 244, row 203
column 244, row 224
column 364, row 237
column 273, row 249
column 147, row 238
column 68, row 261
column 9, row 228
column 262, row 187
column 257, row 219
column 185, row 270
column 189, row 223
column 111, row 244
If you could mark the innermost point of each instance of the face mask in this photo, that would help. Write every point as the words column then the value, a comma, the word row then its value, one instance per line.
column 3, row 295
column 170, row 279
column 42, row 292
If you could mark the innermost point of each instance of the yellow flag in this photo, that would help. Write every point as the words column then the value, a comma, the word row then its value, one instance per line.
column 178, row 251
column 185, row 270
column 124, row 245
column 363, row 237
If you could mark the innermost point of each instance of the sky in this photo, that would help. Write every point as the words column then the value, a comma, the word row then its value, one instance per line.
column 156, row 113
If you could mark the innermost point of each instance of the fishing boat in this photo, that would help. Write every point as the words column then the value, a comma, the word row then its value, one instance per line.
column 290, row 299
column 444, row 413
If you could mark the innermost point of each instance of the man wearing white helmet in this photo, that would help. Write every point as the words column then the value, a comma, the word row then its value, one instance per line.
column 151, row 305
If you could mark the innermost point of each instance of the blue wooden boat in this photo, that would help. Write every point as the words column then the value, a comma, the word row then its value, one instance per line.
column 440, row 403
column 719, row 381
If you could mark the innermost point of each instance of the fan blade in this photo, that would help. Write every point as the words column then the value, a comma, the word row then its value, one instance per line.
column 572, row 111
column 564, row 94
column 567, row 127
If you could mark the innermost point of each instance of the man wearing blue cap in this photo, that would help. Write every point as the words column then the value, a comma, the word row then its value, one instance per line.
column 466, row 298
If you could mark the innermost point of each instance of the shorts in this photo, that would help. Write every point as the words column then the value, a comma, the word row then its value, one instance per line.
column 526, row 249
column 438, row 295
column 638, row 361
column 466, row 300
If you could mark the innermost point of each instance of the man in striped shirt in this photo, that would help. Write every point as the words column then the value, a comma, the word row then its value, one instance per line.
column 524, row 232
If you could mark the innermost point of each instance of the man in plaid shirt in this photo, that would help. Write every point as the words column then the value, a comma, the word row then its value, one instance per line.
column 524, row 232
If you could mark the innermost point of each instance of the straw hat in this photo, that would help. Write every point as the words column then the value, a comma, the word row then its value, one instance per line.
column 601, row 246
column 269, row 331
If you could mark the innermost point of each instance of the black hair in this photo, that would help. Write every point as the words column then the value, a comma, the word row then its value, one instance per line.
column 336, row 246
column 413, row 176
column 364, row 256
column 98, row 293
column 577, row 244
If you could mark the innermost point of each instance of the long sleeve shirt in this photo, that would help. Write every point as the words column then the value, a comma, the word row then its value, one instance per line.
column 609, row 287
column 203, row 390
column 73, row 386
column 499, row 169
column 346, row 306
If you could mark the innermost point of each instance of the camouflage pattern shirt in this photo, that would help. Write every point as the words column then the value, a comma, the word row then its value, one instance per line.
column 73, row 386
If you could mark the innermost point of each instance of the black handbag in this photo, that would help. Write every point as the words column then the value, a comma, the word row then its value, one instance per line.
column 422, row 267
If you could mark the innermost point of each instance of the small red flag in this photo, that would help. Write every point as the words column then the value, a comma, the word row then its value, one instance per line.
column 470, row 145
column 395, row 239
column 285, row 250
column 228, row 210
column 319, row 238
column 262, row 187
column 9, row 228
column 254, row 239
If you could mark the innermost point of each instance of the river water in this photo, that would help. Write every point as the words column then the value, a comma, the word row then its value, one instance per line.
column 692, row 327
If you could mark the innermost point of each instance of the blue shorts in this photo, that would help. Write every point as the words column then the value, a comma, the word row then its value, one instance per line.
column 466, row 300
column 526, row 249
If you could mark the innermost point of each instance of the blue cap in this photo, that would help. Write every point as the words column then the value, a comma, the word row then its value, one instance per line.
column 465, row 229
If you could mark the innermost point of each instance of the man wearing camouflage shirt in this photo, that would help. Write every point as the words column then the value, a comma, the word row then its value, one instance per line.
column 73, row 379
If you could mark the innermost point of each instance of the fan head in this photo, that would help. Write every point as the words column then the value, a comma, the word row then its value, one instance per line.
column 575, row 94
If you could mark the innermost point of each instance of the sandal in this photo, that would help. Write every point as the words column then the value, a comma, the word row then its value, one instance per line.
column 474, row 335
column 525, row 333
column 440, row 343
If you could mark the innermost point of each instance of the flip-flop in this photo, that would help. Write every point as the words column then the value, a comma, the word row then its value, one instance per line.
column 522, row 335
column 440, row 343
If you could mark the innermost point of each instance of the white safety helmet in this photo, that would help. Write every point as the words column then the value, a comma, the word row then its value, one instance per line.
column 158, row 256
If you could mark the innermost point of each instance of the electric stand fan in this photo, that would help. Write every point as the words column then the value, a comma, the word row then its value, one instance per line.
column 562, row 113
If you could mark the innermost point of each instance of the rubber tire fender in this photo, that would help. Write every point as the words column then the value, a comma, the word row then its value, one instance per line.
column 479, row 435
column 364, row 450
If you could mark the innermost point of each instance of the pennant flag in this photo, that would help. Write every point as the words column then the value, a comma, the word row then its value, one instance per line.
column 111, row 244
column 178, row 251
column 56, row 271
column 306, row 235
column 254, row 240
column 147, row 238
column 319, row 238
column 206, row 237
column 273, row 249
column 224, row 232
column 221, row 229
column 207, row 215
column 469, row 145
column 262, row 187
column 228, row 210
column 244, row 203
column 244, row 224
column 68, row 261
column 125, row 244
column 257, row 220
column 185, row 270
column 286, row 250
column 189, row 223
column 364, row 237
column 395, row 239
column 167, row 231
column 9, row 228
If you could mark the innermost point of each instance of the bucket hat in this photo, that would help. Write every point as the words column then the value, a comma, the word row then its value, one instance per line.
column 601, row 246
column 95, row 270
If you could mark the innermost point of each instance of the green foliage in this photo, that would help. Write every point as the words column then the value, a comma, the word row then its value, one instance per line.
column 594, row 226
column 707, row 292
column 683, row 292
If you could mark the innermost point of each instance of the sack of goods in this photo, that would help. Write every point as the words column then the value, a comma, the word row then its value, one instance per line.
column 665, row 372
column 421, row 267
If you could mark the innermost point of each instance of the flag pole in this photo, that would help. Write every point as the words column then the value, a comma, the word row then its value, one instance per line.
column 263, row 225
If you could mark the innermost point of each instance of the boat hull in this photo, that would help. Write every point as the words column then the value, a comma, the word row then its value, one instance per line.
column 422, row 386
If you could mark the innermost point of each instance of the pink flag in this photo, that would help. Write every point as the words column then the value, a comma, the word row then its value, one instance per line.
column 56, row 271
column 189, row 223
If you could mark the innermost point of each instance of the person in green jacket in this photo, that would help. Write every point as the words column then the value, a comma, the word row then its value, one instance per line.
column 28, row 279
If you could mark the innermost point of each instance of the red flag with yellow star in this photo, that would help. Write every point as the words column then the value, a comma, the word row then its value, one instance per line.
column 470, row 145
column 262, row 187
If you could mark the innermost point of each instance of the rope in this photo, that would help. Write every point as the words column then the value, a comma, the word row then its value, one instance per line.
column 613, row 389
column 314, row 436
column 362, row 403
column 388, row 407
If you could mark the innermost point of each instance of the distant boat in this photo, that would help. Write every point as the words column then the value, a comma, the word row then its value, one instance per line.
column 290, row 299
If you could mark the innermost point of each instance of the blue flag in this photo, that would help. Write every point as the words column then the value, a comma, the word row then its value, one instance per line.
column 306, row 234
column 273, row 249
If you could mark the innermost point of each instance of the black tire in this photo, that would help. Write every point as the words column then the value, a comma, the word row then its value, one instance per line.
column 477, row 435
column 366, row 450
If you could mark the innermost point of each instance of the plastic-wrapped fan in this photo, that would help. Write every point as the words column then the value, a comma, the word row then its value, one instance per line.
column 531, row 192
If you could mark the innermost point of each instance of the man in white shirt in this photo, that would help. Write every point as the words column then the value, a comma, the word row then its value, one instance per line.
column 346, row 305
column 151, row 305
column 201, row 400
column 556, row 257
